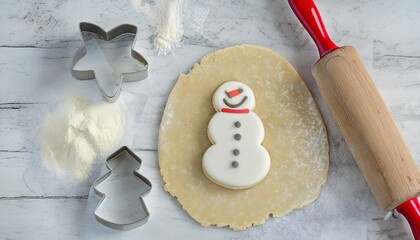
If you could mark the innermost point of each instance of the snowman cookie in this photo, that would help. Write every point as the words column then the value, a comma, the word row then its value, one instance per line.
column 236, row 160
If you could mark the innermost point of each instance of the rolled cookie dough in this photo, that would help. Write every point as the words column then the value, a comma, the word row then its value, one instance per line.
column 295, row 137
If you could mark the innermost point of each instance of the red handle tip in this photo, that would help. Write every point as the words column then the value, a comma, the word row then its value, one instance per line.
column 308, row 15
column 410, row 209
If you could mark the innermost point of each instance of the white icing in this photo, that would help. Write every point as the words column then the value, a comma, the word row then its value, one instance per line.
column 253, row 159
column 220, row 94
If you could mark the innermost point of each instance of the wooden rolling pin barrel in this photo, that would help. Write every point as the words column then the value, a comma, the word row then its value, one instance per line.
column 364, row 120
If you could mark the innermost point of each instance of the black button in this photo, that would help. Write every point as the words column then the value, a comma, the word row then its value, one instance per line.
column 236, row 152
column 235, row 164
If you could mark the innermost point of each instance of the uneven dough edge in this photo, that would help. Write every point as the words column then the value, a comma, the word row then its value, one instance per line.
column 168, row 118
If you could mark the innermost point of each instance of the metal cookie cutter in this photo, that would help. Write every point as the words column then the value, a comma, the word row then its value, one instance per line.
column 121, row 30
column 121, row 191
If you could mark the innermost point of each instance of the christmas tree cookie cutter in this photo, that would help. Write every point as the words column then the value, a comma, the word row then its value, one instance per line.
column 122, row 190
column 115, row 33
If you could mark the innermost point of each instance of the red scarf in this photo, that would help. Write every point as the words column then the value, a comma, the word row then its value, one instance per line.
column 230, row 110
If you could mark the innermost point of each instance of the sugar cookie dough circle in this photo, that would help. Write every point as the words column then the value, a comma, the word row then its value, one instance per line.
column 295, row 137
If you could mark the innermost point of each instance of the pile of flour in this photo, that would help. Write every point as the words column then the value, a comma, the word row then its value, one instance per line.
column 77, row 132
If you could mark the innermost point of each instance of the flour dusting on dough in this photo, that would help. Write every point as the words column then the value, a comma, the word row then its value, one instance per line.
column 295, row 137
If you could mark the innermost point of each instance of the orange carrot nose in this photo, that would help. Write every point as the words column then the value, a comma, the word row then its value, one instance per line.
column 234, row 93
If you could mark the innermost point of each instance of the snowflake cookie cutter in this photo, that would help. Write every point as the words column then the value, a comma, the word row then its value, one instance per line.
column 109, row 36
column 122, row 190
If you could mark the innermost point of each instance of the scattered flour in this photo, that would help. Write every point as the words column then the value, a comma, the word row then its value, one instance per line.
column 79, row 130
column 169, row 29
column 166, row 16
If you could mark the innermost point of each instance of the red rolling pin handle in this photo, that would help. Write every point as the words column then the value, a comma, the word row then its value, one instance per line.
column 410, row 209
column 308, row 15
column 310, row 18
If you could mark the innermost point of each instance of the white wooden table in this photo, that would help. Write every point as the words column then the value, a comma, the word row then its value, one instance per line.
column 39, row 37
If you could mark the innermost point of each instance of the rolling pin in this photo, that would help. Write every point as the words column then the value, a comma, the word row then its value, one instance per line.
column 370, row 132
